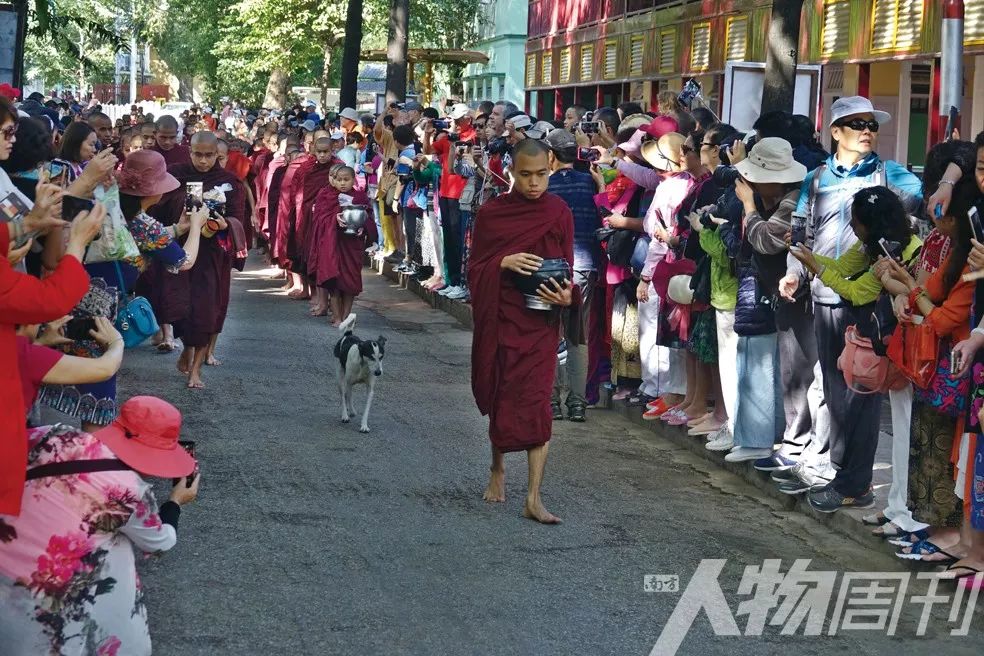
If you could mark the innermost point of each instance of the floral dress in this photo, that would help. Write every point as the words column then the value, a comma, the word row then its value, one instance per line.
column 96, row 403
column 68, row 582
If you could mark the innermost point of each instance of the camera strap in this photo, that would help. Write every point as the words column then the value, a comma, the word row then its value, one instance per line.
column 72, row 467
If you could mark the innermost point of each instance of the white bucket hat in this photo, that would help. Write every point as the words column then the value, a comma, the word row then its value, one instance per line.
column 851, row 105
column 350, row 114
column 771, row 160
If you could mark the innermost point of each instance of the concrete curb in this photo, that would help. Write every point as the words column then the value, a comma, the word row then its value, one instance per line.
column 845, row 522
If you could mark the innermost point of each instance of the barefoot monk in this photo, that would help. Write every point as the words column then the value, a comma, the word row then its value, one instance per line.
column 514, row 349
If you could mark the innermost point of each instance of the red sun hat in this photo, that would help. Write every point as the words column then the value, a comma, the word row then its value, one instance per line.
column 661, row 125
column 145, row 437
column 144, row 173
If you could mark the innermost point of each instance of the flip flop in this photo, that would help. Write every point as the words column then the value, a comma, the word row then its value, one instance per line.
column 970, row 573
column 907, row 540
column 890, row 530
column 925, row 548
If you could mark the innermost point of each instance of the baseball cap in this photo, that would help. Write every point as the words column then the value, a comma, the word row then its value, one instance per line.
column 349, row 113
column 413, row 106
column 560, row 140
column 309, row 126
column 539, row 130
column 337, row 134
column 310, row 103
column 851, row 105
column 460, row 110
column 520, row 121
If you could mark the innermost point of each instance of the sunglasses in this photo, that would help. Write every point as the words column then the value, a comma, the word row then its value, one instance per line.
column 9, row 131
column 859, row 125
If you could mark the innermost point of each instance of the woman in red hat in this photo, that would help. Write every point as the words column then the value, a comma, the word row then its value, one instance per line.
column 68, row 582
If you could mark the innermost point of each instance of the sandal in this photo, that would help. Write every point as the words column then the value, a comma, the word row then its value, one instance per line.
column 639, row 399
column 971, row 572
column 889, row 530
column 621, row 394
column 907, row 540
column 878, row 519
column 925, row 548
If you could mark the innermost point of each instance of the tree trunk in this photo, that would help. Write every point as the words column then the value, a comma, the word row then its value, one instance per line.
column 779, row 88
column 326, row 73
column 276, row 91
column 396, row 51
column 350, row 54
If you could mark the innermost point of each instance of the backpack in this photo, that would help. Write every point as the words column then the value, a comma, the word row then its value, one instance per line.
column 866, row 372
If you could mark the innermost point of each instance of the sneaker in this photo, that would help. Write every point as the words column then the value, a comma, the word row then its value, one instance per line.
column 783, row 475
column 827, row 500
column 744, row 454
column 721, row 441
column 394, row 257
column 575, row 412
column 457, row 294
column 558, row 413
column 445, row 291
column 794, row 486
column 774, row 462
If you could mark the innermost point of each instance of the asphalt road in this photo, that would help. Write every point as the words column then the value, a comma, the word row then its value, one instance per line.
column 311, row 538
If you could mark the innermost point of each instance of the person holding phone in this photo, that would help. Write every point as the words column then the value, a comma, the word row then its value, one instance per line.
column 87, row 505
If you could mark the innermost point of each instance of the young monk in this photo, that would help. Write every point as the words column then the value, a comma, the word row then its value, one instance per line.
column 287, row 220
column 338, row 256
column 514, row 349
column 314, row 180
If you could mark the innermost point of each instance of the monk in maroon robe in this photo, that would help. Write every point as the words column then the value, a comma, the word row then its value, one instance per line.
column 314, row 179
column 286, row 219
column 166, row 142
column 338, row 257
column 514, row 349
column 207, row 284
column 259, row 171
column 275, row 176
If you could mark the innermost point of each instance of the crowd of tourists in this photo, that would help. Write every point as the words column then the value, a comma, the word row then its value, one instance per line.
column 754, row 290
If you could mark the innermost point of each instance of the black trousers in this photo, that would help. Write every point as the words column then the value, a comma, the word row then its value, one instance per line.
column 797, row 356
column 451, row 227
column 410, row 218
column 854, row 418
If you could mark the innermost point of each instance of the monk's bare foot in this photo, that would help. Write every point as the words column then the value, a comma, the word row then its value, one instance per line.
column 496, row 491
column 298, row 295
column 195, row 382
column 184, row 362
column 335, row 324
column 534, row 510
column 157, row 338
column 319, row 312
column 213, row 361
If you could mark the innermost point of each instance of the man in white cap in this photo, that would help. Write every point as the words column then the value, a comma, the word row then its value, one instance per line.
column 451, row 185
column 825, row 199
column 348, row 119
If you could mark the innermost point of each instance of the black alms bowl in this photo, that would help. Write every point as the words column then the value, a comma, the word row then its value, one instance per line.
column 558, row 269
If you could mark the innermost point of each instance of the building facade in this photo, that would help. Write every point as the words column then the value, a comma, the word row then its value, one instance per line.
column 502, row 36
column 609, row 51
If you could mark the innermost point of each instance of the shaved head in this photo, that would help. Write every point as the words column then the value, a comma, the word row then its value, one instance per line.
column 167, row 122
column 204, row 138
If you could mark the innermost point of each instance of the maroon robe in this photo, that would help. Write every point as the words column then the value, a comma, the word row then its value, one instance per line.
column 258, row 174
column 514, row 349
column 286, row 207
column 271, row 200
column 335, row 259
column 315, row 179
column 205, row 287
column 179, row 154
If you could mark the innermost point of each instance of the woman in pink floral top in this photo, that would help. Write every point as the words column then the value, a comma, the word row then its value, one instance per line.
column 68, row 582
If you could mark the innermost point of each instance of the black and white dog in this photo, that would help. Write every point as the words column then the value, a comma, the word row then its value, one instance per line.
column 359, row 362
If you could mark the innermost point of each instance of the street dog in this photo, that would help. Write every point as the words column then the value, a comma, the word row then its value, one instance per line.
column 360, row 362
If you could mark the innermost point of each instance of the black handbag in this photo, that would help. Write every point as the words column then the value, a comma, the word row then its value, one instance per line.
column 621, row 244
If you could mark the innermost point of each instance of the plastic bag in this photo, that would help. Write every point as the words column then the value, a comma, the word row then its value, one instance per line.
column 115, row 241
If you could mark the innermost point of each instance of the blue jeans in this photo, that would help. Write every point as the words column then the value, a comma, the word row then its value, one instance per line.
column 759, row 414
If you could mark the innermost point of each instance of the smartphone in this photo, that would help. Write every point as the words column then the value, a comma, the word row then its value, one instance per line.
column 461, row 149
column 13, row 206
column 440, row 124
column 589, row 127
column 885, row 248
column 975, row 224
column 72, row 205
column 78, row 328
column 587, row 154
column 195, row 191
column 954, row 362
column 798, row 221
column 189, row 446
column 57, row 173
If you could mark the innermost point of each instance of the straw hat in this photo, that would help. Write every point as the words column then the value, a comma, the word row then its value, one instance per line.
column 664, row 153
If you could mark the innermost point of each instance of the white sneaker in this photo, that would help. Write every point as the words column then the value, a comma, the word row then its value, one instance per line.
column 744, row 453
column 458, row 294
column 720, row 441
column 447, row 291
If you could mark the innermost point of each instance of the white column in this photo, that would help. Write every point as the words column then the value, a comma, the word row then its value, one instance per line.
column 977, row 114
column 901, row 117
